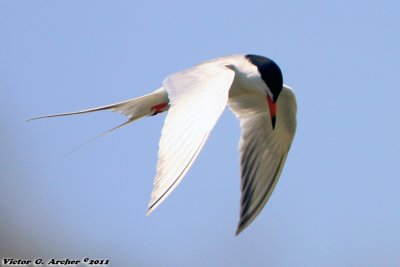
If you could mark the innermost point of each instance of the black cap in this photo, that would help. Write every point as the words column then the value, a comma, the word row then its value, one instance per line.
column 270, row 73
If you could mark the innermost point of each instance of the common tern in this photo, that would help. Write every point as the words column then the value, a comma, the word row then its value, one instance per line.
column 252, row 86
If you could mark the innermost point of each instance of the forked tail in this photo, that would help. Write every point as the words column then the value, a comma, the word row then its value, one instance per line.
column 134, row 109
column 147, row 105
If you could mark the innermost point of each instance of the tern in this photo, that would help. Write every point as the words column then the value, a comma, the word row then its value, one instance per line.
column 252, row 87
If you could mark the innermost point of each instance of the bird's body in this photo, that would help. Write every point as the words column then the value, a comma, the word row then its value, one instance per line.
column 195, row 98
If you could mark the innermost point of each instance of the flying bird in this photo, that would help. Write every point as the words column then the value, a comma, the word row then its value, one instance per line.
column 252, row 87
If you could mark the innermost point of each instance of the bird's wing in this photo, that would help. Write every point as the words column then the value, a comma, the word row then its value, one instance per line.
column 198, row 97
column 263, row 150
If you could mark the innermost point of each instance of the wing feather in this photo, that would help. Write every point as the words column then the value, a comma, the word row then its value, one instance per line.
column 263, row 151
column 197, row 98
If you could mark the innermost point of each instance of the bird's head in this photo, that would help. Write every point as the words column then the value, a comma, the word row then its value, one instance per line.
column 272, row 76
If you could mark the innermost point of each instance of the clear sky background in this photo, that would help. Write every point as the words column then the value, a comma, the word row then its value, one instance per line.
column 337, row 202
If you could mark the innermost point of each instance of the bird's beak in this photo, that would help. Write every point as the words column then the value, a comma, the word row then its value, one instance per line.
column 272, row 110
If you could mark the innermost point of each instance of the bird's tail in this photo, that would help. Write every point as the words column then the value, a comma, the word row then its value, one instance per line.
column 134, row 109
column 147, row 105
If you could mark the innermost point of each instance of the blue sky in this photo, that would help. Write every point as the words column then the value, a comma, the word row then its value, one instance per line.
column 337, row 202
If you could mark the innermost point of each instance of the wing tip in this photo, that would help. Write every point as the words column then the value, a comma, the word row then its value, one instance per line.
column 153, row 204
column 238, row 231
column 149, row 211
column 243, row 223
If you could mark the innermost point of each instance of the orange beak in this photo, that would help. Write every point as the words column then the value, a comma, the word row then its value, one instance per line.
column 272, row 110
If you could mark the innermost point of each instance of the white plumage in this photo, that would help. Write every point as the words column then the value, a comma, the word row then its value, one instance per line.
column 195, row 99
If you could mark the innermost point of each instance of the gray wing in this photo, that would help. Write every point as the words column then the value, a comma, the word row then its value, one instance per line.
column 263, row 150
column 198, row 97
